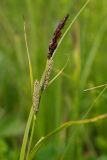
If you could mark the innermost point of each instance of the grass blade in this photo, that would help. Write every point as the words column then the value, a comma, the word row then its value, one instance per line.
column 70, row 25
column 59, row 73
column 96, row 87
column 28, row 125
column 25, row 138
column 95, row 101
column 29, row 61
column 63, row 126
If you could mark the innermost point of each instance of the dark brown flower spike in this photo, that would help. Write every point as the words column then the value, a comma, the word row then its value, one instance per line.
column 57, row 35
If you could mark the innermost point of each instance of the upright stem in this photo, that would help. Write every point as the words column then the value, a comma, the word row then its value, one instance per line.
column 25, row 138
column 31, row 136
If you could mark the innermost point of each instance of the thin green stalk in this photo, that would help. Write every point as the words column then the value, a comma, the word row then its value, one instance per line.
column 84, row 116
column 96, row 87
column 31, row 136
column 29, row 61
column 95, row 101
column 29, row 124
column 26, row 133
column 42, row 80
column 70, row 25
column 60, row 128
column 31, row 82
column 59, row 73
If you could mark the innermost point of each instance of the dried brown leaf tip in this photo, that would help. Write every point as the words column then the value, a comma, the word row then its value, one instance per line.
column 56, row 36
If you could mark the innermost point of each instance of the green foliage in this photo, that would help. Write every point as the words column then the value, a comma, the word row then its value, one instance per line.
column 64, row 99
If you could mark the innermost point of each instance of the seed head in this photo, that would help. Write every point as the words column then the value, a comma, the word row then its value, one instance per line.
column 48, row 72
column 56, row 36
column 36, row 96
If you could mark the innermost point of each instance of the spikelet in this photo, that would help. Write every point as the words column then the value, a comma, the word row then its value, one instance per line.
column 48, row 72
column 36, row 96
column 56, row 36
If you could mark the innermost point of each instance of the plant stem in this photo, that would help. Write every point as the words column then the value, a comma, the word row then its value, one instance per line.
column 31, row 136
column 60, row 128
column 25, row 138
column 22, row 155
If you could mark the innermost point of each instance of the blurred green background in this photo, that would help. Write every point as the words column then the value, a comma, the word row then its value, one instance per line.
column 85, row 46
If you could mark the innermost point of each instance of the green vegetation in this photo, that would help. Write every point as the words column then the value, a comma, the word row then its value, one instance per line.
column 82, row 52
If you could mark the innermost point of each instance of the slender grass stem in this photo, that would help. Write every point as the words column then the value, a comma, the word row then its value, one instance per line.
column 22, row 155
column 29, row 61
column 25, row 138
column 60, row 128
column 96, row 87
column 31, row 136
column 70, row 25
column 31, row 114
column 58, row 74
column 95, row 101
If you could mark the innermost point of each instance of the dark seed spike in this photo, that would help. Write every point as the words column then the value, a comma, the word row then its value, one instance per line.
column 62, row 23
column 57, row 34
column 66, row 17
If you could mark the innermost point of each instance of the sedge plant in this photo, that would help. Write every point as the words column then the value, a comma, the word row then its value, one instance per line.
column 38, row 87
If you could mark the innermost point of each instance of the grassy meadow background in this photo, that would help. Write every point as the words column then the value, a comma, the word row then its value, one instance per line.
column 86, row 48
